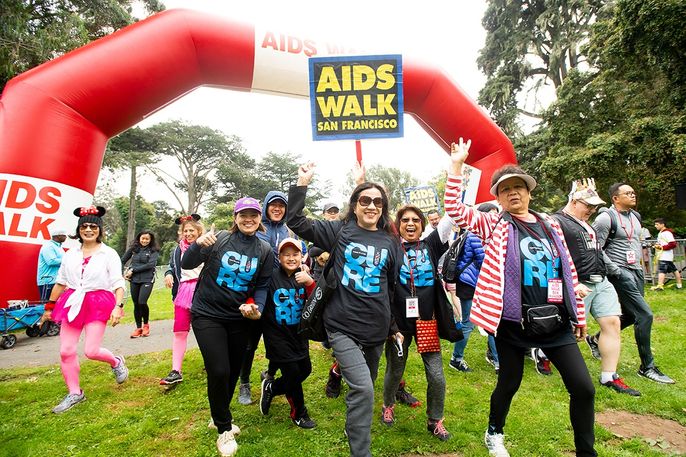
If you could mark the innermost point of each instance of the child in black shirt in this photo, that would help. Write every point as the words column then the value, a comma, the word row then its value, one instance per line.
column 286, row 349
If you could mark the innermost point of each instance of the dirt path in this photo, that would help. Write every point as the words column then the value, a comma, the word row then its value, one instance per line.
column 35, row 352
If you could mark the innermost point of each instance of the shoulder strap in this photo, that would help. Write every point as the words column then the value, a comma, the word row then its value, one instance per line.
column 613, row 227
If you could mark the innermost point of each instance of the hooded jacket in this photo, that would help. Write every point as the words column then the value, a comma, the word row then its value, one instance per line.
column 276, row 231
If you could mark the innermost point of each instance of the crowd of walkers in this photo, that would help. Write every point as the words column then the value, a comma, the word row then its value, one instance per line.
column 525, row 279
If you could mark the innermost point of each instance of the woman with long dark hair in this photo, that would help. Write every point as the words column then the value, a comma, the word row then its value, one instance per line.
column 143, row 254
column 357, row 317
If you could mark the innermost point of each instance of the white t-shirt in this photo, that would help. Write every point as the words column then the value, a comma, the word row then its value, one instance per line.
column 663, row 238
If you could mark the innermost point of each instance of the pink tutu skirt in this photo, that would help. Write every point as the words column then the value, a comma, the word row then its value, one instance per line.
column 184, row 296
column 97, row 306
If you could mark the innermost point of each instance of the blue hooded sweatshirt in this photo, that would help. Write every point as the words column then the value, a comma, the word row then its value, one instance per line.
column 276, row 231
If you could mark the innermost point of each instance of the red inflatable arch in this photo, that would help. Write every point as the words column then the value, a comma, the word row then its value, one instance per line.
column 56, row 119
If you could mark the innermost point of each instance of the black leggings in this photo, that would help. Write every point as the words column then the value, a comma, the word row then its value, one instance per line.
column 293, row 374
column 569, row 362
column 255, row 331
column 222, row 344
column 140, row 292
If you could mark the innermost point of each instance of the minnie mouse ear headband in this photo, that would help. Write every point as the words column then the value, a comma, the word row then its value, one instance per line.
column 97, row 211
column 192, row 217
column 90, row 214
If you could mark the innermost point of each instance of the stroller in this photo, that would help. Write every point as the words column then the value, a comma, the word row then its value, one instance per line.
column 24, row 314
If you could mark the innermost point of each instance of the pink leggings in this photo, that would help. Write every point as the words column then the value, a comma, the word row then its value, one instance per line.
column 69, row 340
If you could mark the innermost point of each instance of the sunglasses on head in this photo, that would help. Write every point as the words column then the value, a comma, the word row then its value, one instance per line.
column 89, row 226
column 365, row 201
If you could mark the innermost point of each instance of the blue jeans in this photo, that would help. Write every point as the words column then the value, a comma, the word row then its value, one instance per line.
column 467, row 327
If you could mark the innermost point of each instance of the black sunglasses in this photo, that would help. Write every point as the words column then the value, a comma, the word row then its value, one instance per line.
column 365, row 201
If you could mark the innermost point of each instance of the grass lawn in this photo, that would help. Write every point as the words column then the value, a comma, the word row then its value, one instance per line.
column 139, row 418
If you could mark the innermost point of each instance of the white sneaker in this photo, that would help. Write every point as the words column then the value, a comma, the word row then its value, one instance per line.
column 226, row 444
column 235, row 429
column 495, row 444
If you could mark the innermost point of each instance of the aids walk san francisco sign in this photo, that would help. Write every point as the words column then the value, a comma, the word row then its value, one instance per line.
column 356, row 97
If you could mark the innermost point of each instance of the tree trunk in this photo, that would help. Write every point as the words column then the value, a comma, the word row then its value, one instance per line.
column 131, row 226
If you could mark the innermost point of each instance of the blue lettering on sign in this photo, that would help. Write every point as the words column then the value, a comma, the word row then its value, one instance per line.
column 288, row 305
column 422, row 269
column 236, row 271
column 363, row 265
column 538, row 262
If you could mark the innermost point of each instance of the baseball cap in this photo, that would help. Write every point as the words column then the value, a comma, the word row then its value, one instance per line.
column 247, row 203
column 584, row 190
column 330, row 205
column 57, row 231
column 529, row 180
column 290, row 242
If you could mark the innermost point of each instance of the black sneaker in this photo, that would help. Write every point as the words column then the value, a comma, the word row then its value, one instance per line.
column 592, row 342
column 654, row 374
column 304, row 421
column 459, row 365
column 405, row 397
column 541, row 362
column 333, row 384
column 174, row 377
column 438, row 429
column 617, row 384
column 266, row 396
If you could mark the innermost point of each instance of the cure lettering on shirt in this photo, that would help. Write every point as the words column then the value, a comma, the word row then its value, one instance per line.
column 538, row 263
column 288, row 304
column 422, row 270
column 363, row 265
column 236, row 271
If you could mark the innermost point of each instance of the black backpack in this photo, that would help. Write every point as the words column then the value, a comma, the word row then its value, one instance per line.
column 613, row 224
column 452, row 255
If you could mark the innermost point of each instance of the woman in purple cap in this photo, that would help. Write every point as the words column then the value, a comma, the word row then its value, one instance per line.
column 231, row 288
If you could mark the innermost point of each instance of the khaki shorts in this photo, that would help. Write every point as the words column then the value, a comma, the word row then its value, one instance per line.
column 602, row 301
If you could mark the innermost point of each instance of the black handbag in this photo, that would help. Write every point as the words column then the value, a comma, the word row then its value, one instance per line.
column 311, row 323
column 541, row 320
column 449, row 268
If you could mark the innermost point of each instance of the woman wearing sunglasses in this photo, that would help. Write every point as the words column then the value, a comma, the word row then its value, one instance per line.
column 357, row 317
column 88, row 292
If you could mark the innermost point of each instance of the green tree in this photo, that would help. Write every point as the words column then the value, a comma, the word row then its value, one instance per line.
column 622, row 121
column 530, row 44
column 35, row 31
column 197, row 152
column 130, row 150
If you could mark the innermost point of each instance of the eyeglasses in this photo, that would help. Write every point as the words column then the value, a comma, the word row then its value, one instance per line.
column 365, row 201
column 594, row 207
column 405, row 220
column 89, row 226
column 629, row 194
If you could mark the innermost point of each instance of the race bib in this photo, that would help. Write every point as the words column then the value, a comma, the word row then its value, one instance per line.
column 411, row 307
column 554, row 291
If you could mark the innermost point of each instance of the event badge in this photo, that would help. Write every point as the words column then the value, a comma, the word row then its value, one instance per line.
column 412, row 307
column 555, row 291
column 630, row 257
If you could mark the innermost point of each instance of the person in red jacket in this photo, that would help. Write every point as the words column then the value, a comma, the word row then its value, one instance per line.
column 665, row 247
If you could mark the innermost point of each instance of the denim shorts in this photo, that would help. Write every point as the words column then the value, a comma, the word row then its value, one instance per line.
column 602, row 301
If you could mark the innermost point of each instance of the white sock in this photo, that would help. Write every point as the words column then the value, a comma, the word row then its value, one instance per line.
column 606, row 376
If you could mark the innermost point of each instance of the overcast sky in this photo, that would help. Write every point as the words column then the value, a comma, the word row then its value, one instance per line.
column 447, row 34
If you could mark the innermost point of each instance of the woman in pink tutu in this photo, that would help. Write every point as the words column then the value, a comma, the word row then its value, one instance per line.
column 182, row 282
column 89, row 291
